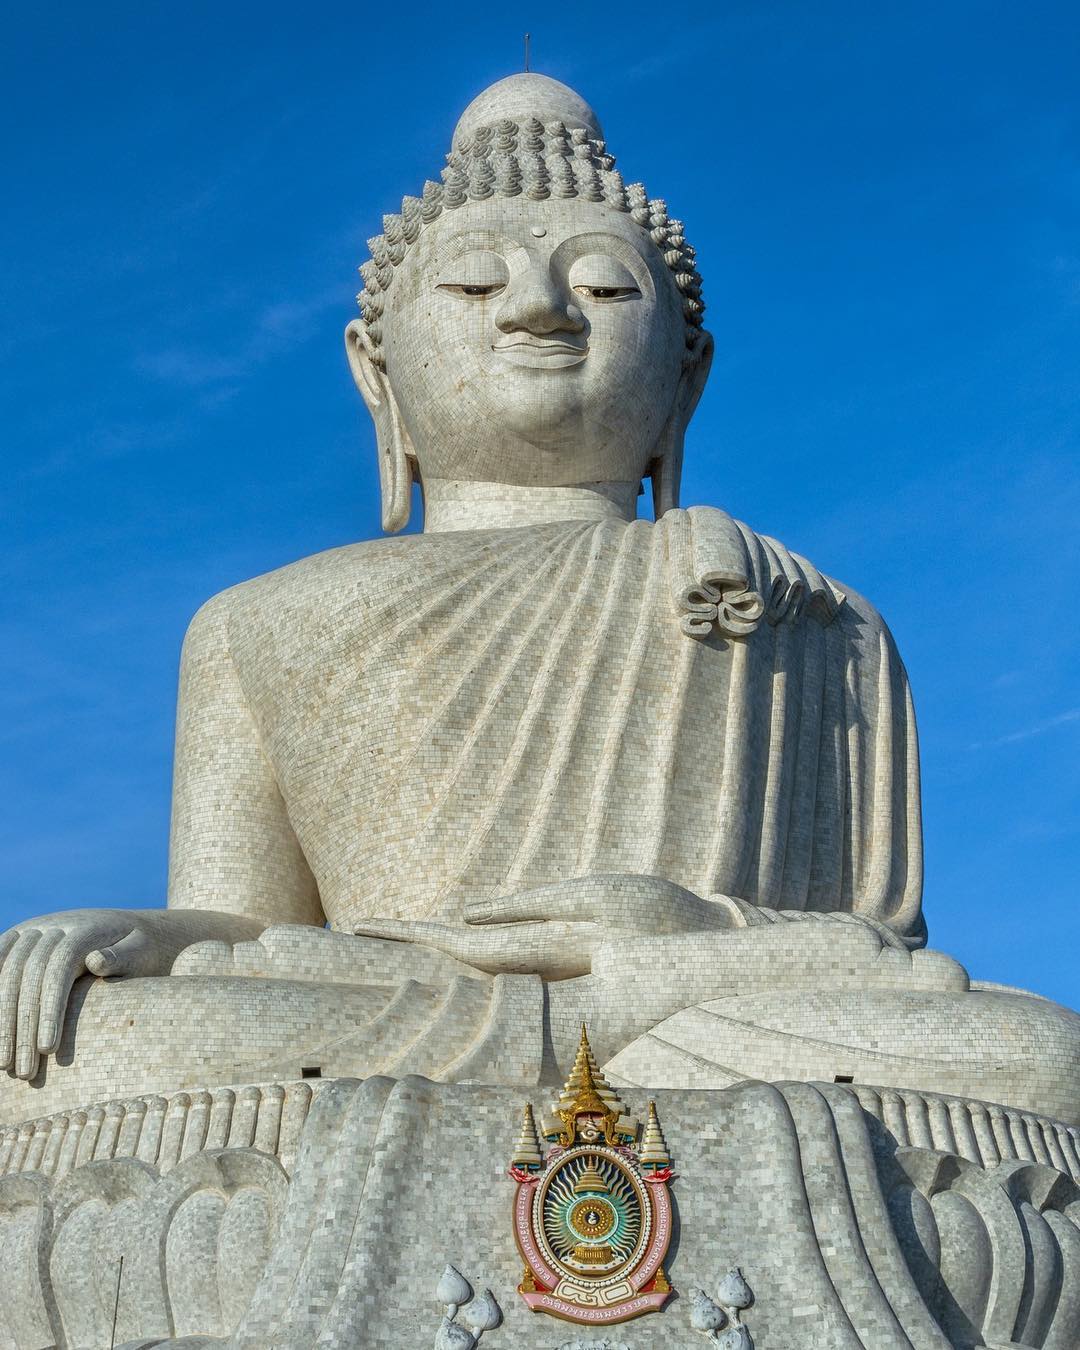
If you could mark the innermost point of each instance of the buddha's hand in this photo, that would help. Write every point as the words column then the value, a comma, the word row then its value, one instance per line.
column 556, row 930
column 40, row 960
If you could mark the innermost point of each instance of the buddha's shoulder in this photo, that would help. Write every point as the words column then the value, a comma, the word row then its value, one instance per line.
column 311, row 589
column 782, row 576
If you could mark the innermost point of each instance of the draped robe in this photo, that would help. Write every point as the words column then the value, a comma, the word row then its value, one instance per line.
column 473, row 713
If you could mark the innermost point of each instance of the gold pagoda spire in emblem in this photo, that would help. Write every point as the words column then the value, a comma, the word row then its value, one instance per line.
column 588, row 1109
column 527, row 1152
column 654, row 1149
column 590, row 1181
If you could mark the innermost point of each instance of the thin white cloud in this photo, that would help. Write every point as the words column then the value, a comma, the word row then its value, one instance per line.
column 277, row 328
column 1036, row 729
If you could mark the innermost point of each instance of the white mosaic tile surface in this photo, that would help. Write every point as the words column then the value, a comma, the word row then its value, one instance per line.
column 439, row 798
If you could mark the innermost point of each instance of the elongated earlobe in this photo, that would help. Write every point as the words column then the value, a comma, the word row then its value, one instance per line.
column 666, row 468
column 395, row 472
column 392, row 440
column 666, row 475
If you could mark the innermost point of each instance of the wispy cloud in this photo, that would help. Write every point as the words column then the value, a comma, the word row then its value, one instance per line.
column 106, row 441
column 276, row 328
column 660, row 60
column 1026, row 734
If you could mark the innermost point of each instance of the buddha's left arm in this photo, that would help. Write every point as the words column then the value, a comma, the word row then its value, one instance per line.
column 233, row 849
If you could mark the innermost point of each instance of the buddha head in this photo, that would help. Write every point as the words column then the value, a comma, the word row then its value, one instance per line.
column 530, row 320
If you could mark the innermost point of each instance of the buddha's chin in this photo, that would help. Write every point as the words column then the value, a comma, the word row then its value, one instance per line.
column 520, row 374
column 538, row 406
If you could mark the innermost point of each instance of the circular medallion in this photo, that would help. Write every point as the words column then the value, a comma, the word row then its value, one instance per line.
column 592, row 1215
column 593, row 1218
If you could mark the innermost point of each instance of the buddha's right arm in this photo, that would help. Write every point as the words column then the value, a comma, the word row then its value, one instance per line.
column 233, row 849
column 236, row 867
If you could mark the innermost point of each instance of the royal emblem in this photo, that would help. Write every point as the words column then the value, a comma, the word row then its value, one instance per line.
column 593, row 1218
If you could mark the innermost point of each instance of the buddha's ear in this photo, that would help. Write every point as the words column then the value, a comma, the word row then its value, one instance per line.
column 666, row 467
column 394, row 448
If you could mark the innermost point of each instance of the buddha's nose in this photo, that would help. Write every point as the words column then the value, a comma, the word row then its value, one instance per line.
column 537, row 304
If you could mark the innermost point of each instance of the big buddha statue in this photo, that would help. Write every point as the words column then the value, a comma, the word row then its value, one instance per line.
column 442, row 796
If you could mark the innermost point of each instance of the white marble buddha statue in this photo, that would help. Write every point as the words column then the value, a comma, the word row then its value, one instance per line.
column 440, row 796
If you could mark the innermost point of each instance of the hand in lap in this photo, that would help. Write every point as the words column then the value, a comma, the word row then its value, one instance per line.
column 555, row 931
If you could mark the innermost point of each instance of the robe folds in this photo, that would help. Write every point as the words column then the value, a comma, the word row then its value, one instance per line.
column 473, row 713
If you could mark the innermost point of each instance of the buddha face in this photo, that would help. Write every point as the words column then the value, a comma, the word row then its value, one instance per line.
column 533, row 343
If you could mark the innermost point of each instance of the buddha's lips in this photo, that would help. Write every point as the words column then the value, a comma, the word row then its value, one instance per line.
column 541, row 352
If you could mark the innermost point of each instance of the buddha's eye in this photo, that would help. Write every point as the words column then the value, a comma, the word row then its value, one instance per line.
column 475, row 275
column 602, row 278
column 606, row 292
column 472, row 290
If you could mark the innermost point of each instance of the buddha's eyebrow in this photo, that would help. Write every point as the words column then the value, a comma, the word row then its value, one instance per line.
column 598, row 237
column 599, row 241
column 475, row 238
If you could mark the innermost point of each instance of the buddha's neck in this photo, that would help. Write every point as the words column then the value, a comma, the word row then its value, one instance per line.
column 459, row 505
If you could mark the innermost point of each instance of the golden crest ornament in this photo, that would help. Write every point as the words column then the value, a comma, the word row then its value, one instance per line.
column 592, row 1217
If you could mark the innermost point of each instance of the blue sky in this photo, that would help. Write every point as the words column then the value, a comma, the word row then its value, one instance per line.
column 885, row 200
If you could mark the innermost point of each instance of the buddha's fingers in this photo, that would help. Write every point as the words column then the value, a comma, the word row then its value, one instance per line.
column 66, row 963
column 636, row 904
column 438, row 935
column 550, row 949
column 10, row 983
column 475, row 949
column 7, row 941
column 135, row 954
column 29, row 1014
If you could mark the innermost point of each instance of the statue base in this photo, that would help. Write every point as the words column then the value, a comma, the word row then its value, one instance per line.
column 323, row 1213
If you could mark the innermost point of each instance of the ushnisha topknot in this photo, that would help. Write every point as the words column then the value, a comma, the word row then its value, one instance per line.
column 512, row 157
